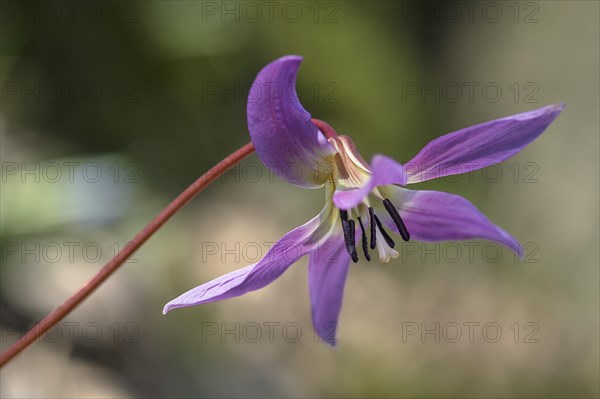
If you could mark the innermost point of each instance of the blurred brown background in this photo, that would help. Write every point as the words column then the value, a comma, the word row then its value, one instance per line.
column 109, row 109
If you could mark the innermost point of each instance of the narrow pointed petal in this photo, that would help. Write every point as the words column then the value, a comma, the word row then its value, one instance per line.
column 479, row 146
column 285, row 252
column 436, row 216
column 384, row 171
column 284, row 137
column 327, row 271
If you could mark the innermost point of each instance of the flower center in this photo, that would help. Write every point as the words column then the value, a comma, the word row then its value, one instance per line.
column 380, row 238
column 350, row 171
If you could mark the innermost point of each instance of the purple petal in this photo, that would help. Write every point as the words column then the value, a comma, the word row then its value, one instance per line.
column 286, row 251
column 327, row 270
column 436, row 216
column 284, row 137
column 479, row 146
column 384, row 171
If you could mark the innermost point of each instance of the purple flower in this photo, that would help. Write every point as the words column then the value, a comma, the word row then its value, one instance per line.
column 363, row 201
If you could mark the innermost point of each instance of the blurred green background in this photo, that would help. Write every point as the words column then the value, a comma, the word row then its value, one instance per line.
column 109, row 109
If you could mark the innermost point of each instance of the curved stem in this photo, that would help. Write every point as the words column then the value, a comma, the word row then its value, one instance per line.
column 63, row 310
column 324, row 127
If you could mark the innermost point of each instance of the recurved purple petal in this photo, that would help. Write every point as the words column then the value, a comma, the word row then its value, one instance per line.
column 436, row 216
column 384, row 171
column 327, row 270
column 286, row 251
column 479, row 146
column 284, row 137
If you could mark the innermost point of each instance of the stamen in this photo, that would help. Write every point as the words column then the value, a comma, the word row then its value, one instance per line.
column 348, row 229
column 353, row 255
column 344, row 215
column 384, row 233
column 397, row 219
column 365, row 245
column 372, row 224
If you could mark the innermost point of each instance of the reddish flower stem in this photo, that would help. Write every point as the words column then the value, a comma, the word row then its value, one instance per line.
column 63, row 310
column 324, row 127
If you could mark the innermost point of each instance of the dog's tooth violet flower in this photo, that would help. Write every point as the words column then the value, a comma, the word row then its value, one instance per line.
column 364, row 202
